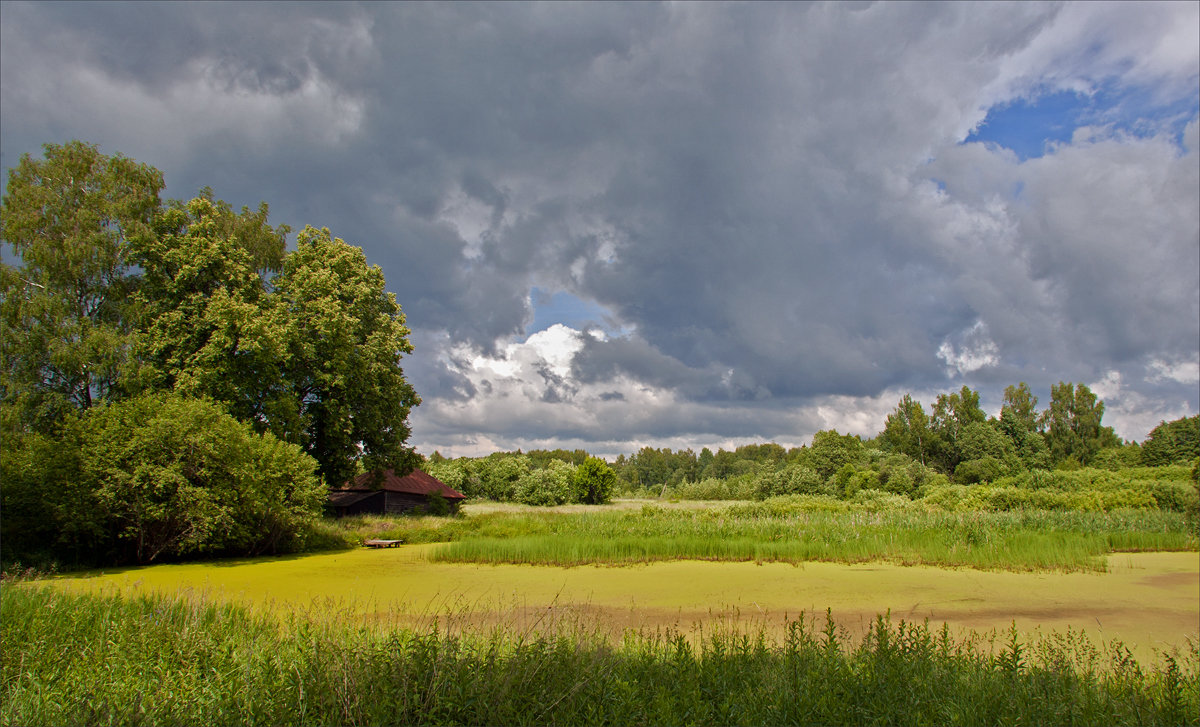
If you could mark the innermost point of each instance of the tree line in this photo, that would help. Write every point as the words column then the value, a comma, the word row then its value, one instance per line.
column 955, row 439
column 173, row 379
column 541, row 477
column 953, row 443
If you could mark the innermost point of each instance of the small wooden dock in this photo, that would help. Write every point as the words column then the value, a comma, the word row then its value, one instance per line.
column 376, row 543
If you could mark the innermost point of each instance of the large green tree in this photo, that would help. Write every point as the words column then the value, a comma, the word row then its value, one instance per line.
column 72, row 217
column 1175, row 442
column 1019, row 422
column 346, row 398
column 907, row 430
column 202, row 304
column 1072, row 424
column 952, row 413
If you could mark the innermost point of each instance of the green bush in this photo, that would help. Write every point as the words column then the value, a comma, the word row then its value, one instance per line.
column 549, row 486
column 984, row 469
column 594, row 482
column 164, row 476
column 709, row 488
column 793, row 479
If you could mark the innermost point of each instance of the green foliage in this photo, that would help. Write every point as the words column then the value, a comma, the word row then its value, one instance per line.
column 171, row 476
column 1084, row 489
column 594, row 481
column 902, row 475
column 952, row 414
column 498, row 475
column 830, row 452
column 1021, row 406
column 162, row 660
column 46, row 509
column 907, row 430
column 120, row 295
column 1119, row 458
column 553, row 485
column 203, row 328
column 345, row 335
column 155, row 476
column 1072, row 424
column 982, row 469
column 792, row 479
column 438, row 505
column 452, row 472
column 72, row 218
column 711, row 488
column 1173, row 442
column 544, row 457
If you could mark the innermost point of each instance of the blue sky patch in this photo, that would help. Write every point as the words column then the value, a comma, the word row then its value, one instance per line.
column 564, row 308
column 1028, row 126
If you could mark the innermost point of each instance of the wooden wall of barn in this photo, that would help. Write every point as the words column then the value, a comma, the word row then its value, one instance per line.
column 399, row 502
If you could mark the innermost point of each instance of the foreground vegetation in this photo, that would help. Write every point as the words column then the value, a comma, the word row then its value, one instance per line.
column 175, row 382
column 793, row 530
column 88, row 659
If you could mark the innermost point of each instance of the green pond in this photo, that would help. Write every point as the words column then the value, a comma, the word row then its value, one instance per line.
column 1148, row 601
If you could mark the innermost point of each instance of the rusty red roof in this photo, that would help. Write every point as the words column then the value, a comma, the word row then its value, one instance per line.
column 415, row 482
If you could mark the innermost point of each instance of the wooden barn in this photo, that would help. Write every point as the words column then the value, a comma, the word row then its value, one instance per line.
column 390, row 494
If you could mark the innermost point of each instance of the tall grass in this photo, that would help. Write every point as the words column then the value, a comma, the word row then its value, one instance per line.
column 1018, row 540
column 88, row 659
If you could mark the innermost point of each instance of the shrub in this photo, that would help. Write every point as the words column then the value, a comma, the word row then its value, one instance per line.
column 794, row 479
column 171, row 476
column 880, row 501
column 550, row 486
column 709, row 488
column 984, row 469
column 594, row 481
column 438, row 505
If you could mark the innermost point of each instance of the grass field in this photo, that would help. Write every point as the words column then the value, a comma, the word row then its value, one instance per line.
column 1033, row 617
column 1017, row 540
column 88, row 659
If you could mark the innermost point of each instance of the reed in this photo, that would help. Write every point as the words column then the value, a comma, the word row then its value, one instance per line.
column 1018, row 540
column 91, row 659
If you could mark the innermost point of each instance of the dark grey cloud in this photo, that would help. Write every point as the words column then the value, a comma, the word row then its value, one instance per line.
column 748, row 190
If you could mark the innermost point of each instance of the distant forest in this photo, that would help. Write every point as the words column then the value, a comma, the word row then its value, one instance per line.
column 953, row 444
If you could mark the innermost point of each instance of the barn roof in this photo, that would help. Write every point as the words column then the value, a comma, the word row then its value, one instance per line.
column 346, row 498
column 415, row 483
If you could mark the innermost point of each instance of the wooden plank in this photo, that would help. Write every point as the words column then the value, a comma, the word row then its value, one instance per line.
column 376, row 543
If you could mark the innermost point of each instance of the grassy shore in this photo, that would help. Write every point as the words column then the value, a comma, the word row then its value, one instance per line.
column 781, row 531
column 89, row 659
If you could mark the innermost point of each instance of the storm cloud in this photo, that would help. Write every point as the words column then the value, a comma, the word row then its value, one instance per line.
column 786, row 215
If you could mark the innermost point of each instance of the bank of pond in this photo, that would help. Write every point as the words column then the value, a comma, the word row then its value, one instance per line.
column 791, row 610
column 79, row 658
column 787, row 529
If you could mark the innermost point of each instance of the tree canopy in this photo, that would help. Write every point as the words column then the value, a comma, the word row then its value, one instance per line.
column 120, row 298
column 73, row 217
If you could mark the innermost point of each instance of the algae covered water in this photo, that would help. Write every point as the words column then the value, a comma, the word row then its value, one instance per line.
column 1147, row 601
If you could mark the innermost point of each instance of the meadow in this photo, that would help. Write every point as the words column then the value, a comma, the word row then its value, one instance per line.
column 792, row 530
column 786, row 611
column 91, row 659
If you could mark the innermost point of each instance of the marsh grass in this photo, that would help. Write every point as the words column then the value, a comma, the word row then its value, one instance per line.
column 1018, row 540
column 93, row 659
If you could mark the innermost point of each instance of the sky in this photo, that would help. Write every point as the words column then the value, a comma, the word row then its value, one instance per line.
column 617, row 225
